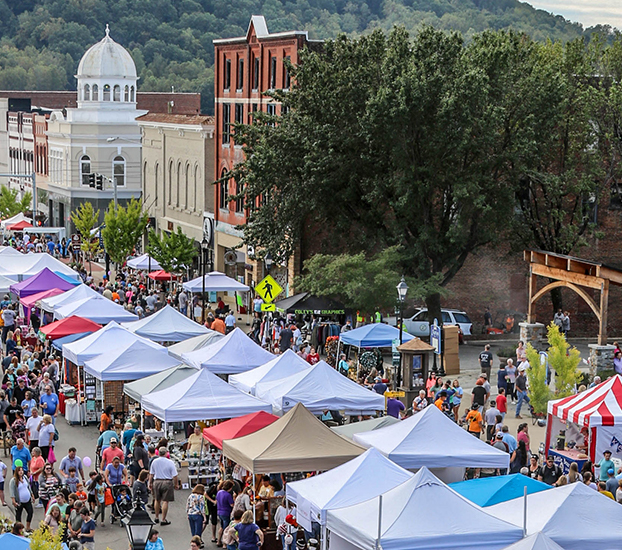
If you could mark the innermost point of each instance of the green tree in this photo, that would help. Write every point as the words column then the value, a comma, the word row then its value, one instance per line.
column 174, row 252
column 123, row 229
column 86, row 218
column 388, row 142
column 539, row 391
column 10, row 205
column 43, row 539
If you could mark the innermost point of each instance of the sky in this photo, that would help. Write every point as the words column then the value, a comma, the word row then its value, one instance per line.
column 587, row 12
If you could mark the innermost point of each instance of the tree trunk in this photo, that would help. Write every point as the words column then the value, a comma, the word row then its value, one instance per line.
column 433, row 302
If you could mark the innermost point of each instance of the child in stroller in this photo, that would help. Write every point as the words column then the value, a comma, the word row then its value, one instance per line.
column 122, row 504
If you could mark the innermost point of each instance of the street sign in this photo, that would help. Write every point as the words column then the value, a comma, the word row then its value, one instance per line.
column 76, row 241
column 268, row 289
column 435, row 337
column 268, row 307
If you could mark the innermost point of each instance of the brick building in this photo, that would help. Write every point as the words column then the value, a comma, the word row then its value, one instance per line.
column 246, row 67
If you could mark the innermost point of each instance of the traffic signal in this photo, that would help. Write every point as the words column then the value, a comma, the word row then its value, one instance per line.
column 100, row 182
column 91, row 180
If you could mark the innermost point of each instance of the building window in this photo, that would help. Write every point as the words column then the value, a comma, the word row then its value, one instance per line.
column 226, row 120
column 118, row 171
column 224, row 191
column 253, row 110
column 284, row 109
column 271, row 110
column 227, row 74
column 132, row 94
column 196, row 188
column 256, row 74
column 87, row 93
column 116, row 93
column 287, row 79
column 170, row 182
column 156, row 182
column 239, row 113
column 106, row 92
column 85, row 169
column 178, row 184
column 272, row 73
column 95, row 92
column 126, row 94
column 187, row 175
column 239, row 202
column 240, row 83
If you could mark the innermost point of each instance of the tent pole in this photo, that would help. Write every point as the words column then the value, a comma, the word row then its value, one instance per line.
column 254, row 495
column 379, row 522
column 337, row 355
column 324, row 541
column 525, row 512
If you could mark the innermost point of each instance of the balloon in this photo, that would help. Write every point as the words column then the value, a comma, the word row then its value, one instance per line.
column 87, row 461
column 19, row 463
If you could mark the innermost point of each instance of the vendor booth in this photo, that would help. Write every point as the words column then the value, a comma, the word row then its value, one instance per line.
column 488, row 491
column 320, row 388
column 19, row 217
column 166, row 325
column 23, row 266
column 420, row 514
column 193, row 344
column 97, row 309
column 349, row 430
column 138, row 388
column 377, row 335
column 215, row 282
column 584, row 425
column 431, row 439
column 42, row 281
column 74, row 295
column 201, row 396
column 306, row 303
column 538, row 541
column 30, row 301
column 238, row 427
column 356, row 481
column 575, row 516
column 143, row 262
column 280, row 367
column 68, row 326
column 296, row 442
column 233, row 354
column 5, row 284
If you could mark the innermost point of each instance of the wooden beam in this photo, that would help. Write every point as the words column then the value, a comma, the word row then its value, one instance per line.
column 614, row 277
column 604, row 306
column 562, row 275
column 556, row 262
column 533, row 287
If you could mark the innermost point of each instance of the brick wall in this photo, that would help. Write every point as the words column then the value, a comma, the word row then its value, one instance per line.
column 113, row 395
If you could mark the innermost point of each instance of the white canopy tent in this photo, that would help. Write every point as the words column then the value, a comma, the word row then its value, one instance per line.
column 320, row 388
column 24, row 266
column 129, row 362
column 192, row 344
column 6, row 251
column 349, row 430
column 537, row 541
column 5, row 284
column 156, row 382
column 214, row 282
column 574, row 516
column 431, row 439
column 96, row 308
column 280, row 367
column 420, row 514
column 233, row 354
column 167, row 325
column 103, row 341
column 20, row 217
column 76, row 294
column 360, row 479
column 142, row 262
column 201, row 396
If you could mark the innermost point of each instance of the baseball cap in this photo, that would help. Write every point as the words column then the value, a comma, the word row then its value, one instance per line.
column 113, row 440
column 378, row 379
column 474, row 406
column 607, row 452
column 610, row 471
column 499, row 435
column 521, row 369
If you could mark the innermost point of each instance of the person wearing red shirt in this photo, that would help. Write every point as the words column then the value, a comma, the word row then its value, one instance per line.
column 502, row 402
column 110, row 452
column 313, row 357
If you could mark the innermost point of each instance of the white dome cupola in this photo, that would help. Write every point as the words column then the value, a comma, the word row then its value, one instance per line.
column 107, row 77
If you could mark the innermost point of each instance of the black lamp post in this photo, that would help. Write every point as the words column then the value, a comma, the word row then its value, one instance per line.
column 268, row 261
column 402, row 290
column 204, row 249
column 138, row 526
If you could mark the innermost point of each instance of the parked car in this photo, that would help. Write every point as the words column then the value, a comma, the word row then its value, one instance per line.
column 419, row 324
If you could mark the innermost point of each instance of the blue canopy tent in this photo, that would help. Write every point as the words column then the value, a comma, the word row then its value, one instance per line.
column 9, row 540
column 487, row 491
column 58, row 343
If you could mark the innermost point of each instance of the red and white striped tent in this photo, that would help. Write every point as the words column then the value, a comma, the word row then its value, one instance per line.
column 599, row 409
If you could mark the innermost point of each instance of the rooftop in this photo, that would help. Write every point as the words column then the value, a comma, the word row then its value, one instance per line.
column 177, row 119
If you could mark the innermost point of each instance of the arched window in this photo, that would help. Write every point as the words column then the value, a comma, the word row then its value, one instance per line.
column 239, row 202
column 95, row 92
column 106, row 92
column 178, row 184
column 187, row 175
column 126, row 93
column 118, row 171
column 132, row 94
column 87, row 93
column 196, row 203
column 170, row 182
column 116, row 93
column 85, row 169
column 224, row 191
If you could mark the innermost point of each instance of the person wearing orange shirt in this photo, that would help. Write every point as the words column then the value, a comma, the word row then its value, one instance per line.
column 474, row 419
column 218, row 325
column 442, row 397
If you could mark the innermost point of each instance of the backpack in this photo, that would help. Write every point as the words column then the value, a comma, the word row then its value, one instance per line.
column 228, row 537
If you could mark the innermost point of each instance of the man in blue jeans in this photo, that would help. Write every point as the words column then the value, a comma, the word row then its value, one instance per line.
column 521, row 390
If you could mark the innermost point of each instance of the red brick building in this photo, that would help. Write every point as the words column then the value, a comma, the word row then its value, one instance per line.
column 246, row 67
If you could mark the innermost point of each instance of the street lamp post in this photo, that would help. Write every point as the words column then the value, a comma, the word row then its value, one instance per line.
column 268, row 261
column 137, row 525
column 402, row 290
column 204, row 249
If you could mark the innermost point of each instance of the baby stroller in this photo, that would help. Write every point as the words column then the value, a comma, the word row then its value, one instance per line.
column 122, row 504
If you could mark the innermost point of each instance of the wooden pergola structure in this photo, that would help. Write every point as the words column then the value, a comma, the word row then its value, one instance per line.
column 575, row 274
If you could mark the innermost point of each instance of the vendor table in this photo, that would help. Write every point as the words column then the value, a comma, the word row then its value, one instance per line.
column 565, row 458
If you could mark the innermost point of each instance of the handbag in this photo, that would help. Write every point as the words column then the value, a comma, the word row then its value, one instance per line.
column 108, row 498
column 51, row 456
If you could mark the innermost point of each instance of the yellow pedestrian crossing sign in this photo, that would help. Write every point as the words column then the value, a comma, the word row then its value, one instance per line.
column 268, row 289
column 268, row 307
